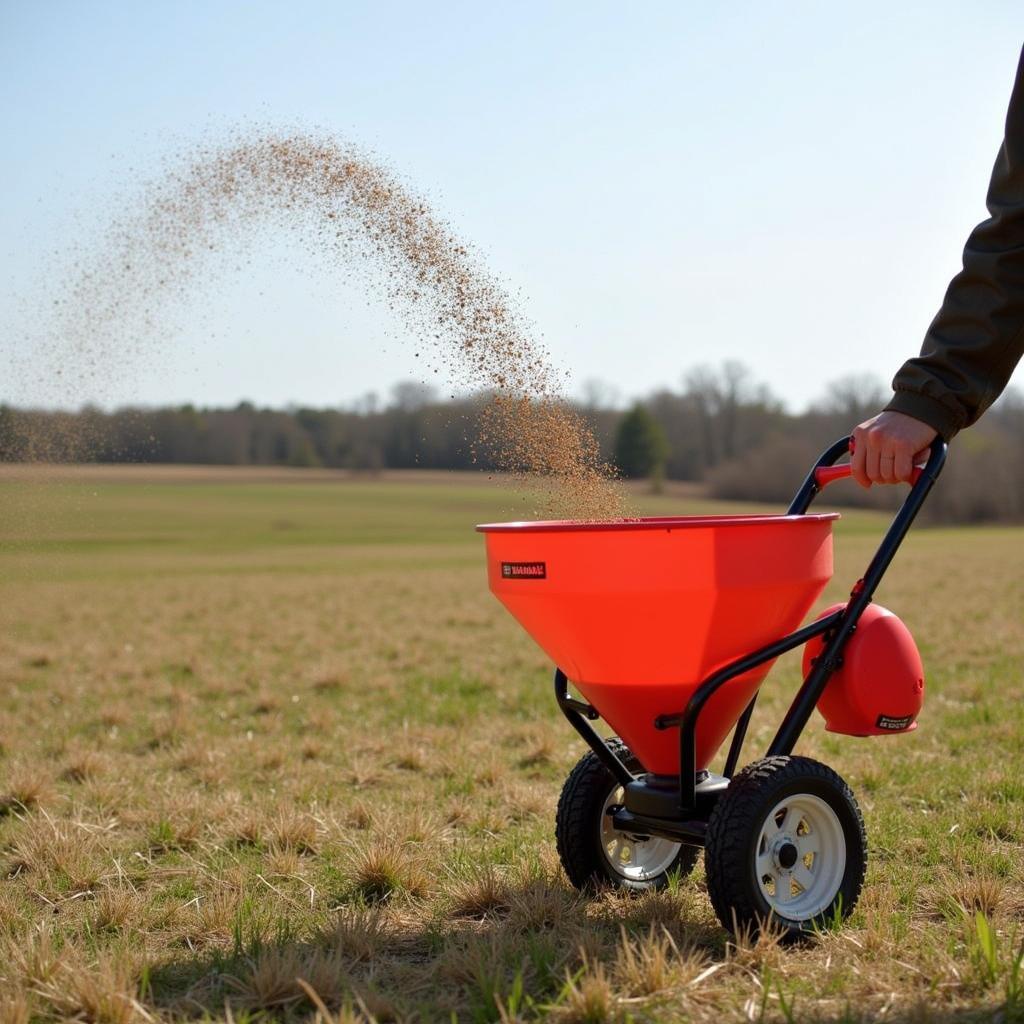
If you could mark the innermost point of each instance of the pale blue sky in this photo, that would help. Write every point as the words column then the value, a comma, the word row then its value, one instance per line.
column 787, row 184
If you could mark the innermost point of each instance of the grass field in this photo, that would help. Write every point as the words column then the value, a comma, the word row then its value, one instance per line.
column 263, row 727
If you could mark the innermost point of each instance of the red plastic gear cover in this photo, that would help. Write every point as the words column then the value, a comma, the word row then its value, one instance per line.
column 879, row 688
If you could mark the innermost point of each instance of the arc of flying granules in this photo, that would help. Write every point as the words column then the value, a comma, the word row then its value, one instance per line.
column 354, row 209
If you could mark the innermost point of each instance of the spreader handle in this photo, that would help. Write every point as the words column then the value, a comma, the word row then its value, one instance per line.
column 864, row 589
column 825, row 475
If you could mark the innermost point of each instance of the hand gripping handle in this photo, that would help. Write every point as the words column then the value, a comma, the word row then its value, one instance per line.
column 825, row 472
column 825, row 475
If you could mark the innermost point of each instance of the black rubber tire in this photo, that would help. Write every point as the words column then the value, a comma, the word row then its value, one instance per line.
column 734, row 830
column 578, row 828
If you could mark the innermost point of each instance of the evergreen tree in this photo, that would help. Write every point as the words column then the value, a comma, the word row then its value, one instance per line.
column 640, row 446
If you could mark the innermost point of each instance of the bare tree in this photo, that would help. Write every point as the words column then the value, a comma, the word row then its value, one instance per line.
column 412, row 395
column 855, row 396
column 599, row 395
column 733, row 410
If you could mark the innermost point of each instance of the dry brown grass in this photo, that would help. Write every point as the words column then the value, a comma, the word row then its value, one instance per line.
column 385, row 868
column 650, row 963
column 316, row 781
column 24, row 786
column 485, row 892
column 274, row 977
column 102, row 992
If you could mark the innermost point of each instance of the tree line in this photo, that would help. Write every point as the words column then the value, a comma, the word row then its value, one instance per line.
column 718, row 426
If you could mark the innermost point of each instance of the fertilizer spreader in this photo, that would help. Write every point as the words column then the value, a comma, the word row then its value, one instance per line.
column 667, row 628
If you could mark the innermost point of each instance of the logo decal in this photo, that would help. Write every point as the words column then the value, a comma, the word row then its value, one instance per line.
column 524, row 570
column 895, row 724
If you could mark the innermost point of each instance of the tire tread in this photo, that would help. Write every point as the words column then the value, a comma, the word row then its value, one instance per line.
column 582, row 797
column 739, row 811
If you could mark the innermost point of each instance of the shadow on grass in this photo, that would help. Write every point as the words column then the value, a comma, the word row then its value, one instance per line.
column 530, row 950
column 539, row 948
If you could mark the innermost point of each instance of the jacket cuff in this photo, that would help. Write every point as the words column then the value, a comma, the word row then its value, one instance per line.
column 928, row 410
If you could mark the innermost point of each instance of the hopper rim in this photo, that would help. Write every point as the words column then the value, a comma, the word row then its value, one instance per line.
column 650, row 523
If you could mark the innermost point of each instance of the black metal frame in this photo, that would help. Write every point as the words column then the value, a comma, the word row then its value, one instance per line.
column 838, row 628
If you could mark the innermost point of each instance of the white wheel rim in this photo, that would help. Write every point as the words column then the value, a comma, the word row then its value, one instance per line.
column 633, row 858
column 800, row 858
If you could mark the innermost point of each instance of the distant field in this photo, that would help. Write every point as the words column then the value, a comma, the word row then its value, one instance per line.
column 266, row 725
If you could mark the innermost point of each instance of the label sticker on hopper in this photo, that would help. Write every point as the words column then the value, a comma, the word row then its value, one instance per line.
column 524, row 570
column 886, row 722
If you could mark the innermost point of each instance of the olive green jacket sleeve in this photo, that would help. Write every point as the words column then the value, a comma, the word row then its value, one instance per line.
column 977, row 337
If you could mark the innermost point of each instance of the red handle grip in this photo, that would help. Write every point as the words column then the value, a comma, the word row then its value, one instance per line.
column 824, row 475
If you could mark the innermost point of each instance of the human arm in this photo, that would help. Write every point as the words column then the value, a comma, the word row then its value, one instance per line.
column 977, row 338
